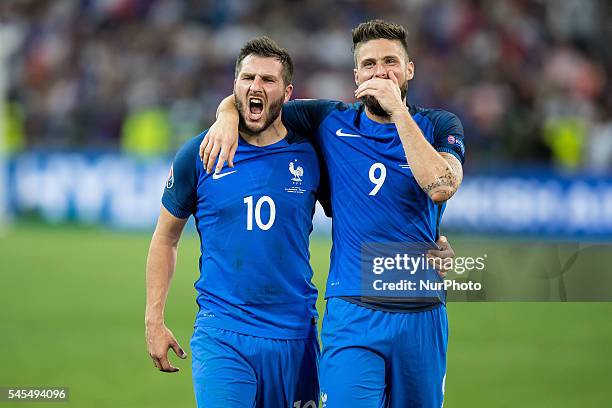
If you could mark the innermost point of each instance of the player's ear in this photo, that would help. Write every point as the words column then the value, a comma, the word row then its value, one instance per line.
column 409, row 70
column 288, row 92
column 355, row 71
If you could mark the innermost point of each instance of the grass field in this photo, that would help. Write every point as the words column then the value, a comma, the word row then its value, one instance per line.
column 72, row 315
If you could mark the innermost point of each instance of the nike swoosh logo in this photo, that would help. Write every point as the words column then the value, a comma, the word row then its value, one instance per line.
column 340, row 133
column 217, row 176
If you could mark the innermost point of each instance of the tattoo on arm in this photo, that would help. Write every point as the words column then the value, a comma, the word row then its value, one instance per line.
column 449, row 181
column 455, row 166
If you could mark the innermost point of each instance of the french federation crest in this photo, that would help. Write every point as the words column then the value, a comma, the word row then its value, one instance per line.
column 297, row 172
column 296, row 180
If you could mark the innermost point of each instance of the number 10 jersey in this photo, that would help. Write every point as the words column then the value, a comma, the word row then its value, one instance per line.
column 254, row 222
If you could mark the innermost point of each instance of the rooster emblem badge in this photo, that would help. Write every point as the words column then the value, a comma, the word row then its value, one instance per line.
column 297, row 172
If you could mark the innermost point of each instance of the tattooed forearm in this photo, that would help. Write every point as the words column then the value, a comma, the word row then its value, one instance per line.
column 439, row 174
column 445, row 186
column 455, row 166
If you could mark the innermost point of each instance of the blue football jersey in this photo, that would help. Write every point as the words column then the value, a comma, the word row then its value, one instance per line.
column 254, row 222
column 374, row 196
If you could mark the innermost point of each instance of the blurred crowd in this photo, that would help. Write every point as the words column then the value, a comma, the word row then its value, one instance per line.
column 530, row 79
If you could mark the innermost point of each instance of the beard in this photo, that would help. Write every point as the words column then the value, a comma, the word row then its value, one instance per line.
column 374, row 107
column 270, row 116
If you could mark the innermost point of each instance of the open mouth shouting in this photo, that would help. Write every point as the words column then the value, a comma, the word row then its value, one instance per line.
column 256, row 108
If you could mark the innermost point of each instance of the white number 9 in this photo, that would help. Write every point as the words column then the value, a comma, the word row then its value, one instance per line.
column 378, row 181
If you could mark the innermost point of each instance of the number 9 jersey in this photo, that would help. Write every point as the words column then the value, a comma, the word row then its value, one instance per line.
column 254, row 222
column 374, row 196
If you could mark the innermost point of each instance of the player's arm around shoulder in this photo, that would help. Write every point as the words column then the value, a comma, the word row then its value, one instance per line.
column 221, row 141
column 222, row 138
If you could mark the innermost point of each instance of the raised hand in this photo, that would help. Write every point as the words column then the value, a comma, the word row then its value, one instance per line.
column 386, row 91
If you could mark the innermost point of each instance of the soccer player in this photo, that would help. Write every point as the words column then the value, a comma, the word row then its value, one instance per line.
column 255, row 338
column 392, row 166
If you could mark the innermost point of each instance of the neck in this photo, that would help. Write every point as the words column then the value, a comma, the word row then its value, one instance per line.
column 380, row 119
column 377, row 118
column 272, row 134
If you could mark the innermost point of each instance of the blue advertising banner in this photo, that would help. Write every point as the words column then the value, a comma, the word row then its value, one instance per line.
column 124, row 191
column 111, row 189
column 533, row 203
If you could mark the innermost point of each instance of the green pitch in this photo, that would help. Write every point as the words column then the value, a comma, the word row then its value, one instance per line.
column 72, row 315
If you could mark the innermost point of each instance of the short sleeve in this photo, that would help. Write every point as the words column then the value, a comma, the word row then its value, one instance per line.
column 305, row 115
column 448, row 134
column 180, row 192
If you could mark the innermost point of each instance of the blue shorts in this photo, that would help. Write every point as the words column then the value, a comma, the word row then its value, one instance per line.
column 237, row 370
column 380, row 359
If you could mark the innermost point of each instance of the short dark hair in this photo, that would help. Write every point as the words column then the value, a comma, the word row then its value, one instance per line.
column 266, row 47
column 379, row 29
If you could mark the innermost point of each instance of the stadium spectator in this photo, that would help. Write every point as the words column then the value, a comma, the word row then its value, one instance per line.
column 520, row 73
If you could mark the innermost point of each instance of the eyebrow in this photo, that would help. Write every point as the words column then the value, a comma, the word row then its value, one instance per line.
column 395, row 57
column 264, row 76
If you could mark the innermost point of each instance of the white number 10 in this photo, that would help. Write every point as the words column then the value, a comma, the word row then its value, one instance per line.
column 264, row 199
column 378, row 181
